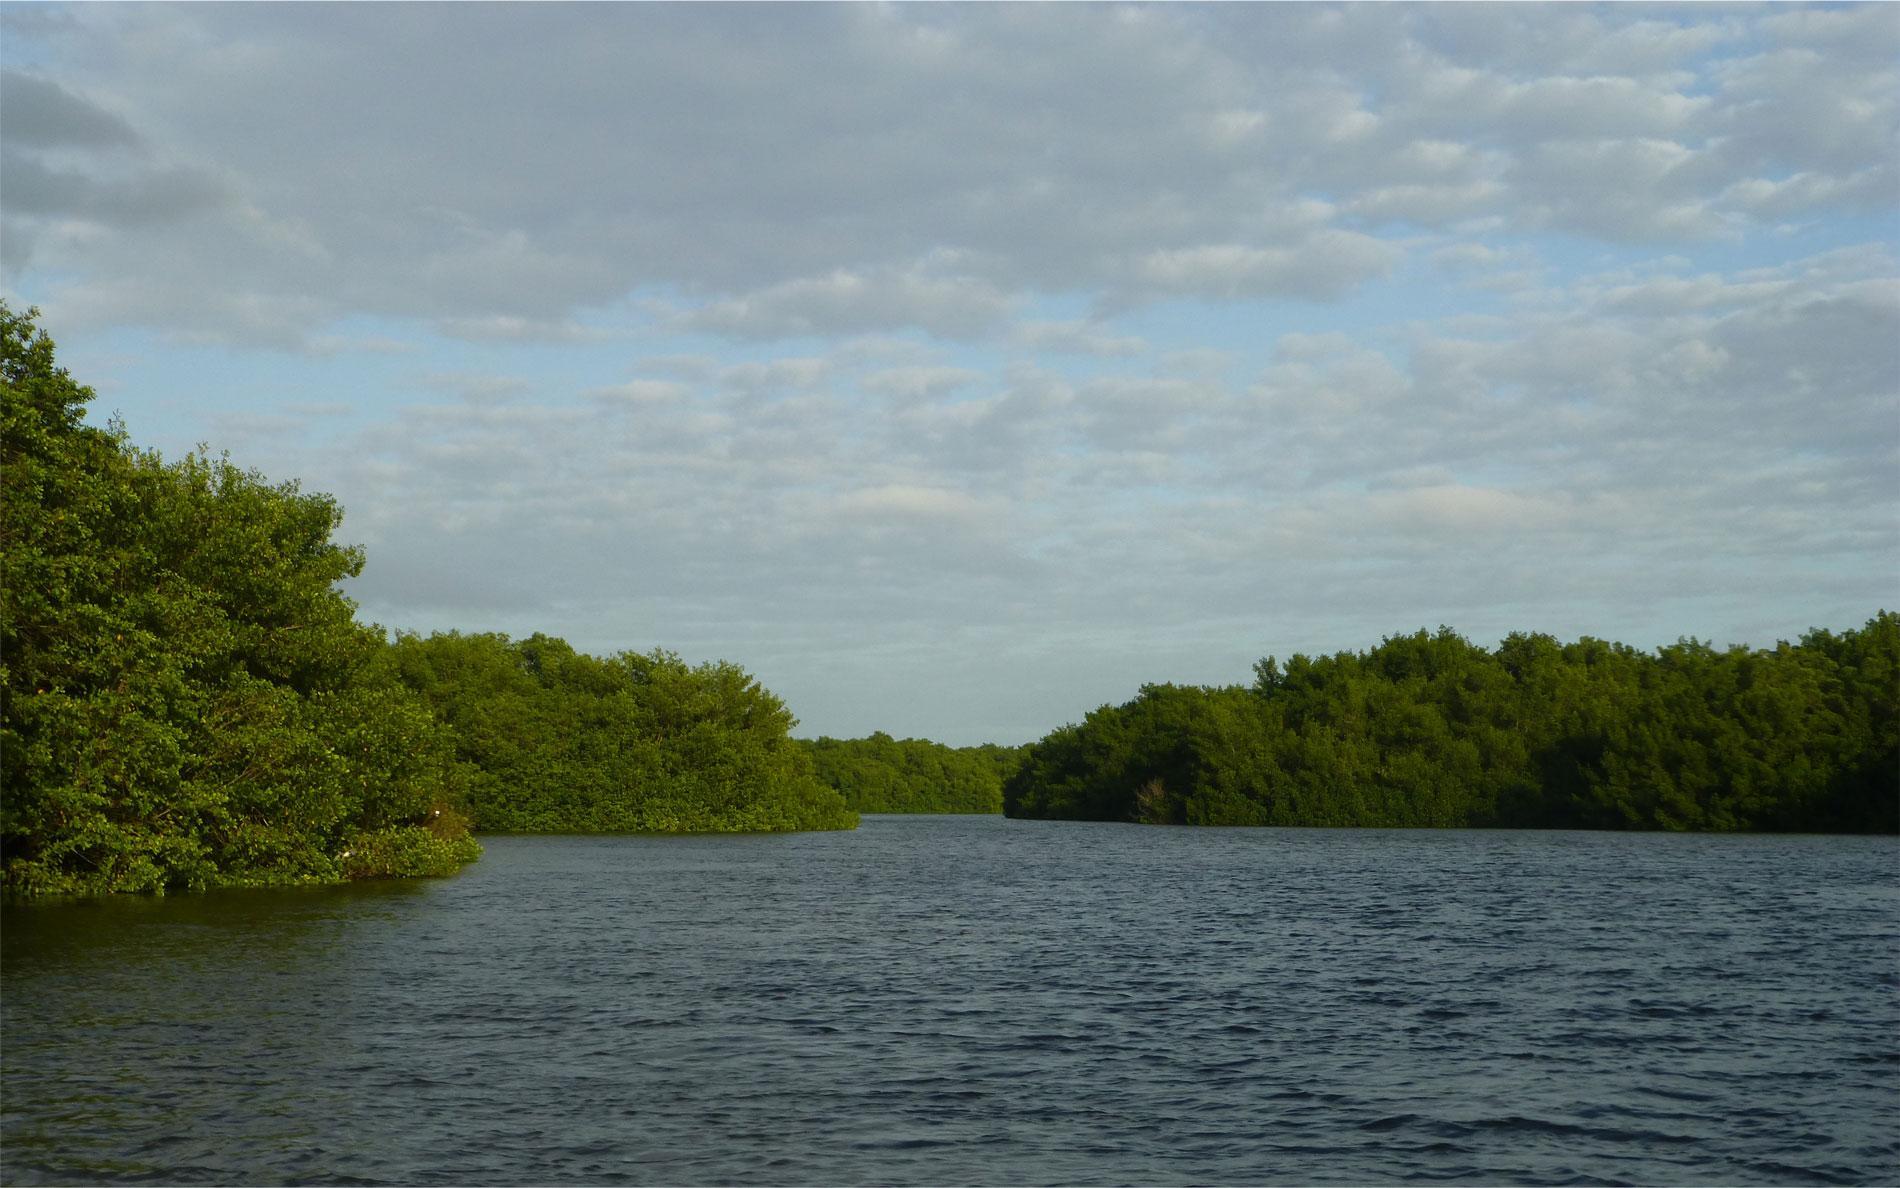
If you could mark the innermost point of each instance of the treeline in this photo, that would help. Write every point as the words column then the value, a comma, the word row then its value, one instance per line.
column 881, row 774
column 187, row 701
column 1430, row 730
column 557, row 741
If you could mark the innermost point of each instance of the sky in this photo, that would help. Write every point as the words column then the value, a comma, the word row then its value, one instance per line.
column 957, row 370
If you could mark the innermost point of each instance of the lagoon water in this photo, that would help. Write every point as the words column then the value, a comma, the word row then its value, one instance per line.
column 977, row 1000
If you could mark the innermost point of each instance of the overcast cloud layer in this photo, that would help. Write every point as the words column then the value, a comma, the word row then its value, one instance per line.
column 958, row 369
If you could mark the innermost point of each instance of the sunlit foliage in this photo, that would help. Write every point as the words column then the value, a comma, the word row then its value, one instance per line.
column 563, row 742
column 187, row 700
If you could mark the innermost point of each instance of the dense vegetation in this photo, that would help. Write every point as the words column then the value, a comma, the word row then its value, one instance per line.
column 561, row 742
column 1429, row 730
column 185, row 699
column 881, row 774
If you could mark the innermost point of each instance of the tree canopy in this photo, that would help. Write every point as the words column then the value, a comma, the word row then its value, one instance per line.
column 187, row 700
column 1429, row 730
column 563, row 742
column 880, row 774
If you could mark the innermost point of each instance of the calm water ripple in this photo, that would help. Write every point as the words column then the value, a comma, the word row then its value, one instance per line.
column 974, row 1000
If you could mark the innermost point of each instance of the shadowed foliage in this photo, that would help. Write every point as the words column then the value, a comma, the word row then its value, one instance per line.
column 1430, row 730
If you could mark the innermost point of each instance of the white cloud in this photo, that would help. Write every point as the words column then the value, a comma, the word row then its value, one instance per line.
column 1324, row 265
column 799, row 372
column 278, row 321
column 919, row 383
column 641, row 392
column 1462, row 510
column 1864, row 32
column 1193, row 152
column 1635, row 457
column 1254, row 318
column 513, row 328
column 1679, row 294
column 846, row 302
column 477, row 388
column 1427, row 205
column 1075, row 338
column 1599, row 108
column 912, row 503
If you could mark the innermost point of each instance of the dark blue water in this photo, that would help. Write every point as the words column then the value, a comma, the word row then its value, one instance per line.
column 974, row 1000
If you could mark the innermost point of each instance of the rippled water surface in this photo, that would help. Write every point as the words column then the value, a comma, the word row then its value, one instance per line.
column 975, row 1000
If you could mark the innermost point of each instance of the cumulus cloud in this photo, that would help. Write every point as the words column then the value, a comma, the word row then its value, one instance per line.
column 1075, row 337
column 846, row 302
column 1464, row 511
column 919, row 383
column 913, row 504
column 478, row 388
column 641, row 391
column 514, row 328
column 1321, row 266
column 822, row 335
column 782, row 373
column 1663, row 441
column 800, row 174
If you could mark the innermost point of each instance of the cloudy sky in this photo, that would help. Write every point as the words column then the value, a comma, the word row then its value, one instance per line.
column 959, row 369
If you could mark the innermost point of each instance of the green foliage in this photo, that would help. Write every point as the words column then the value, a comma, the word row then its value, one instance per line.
column 1429, row 730
column 384, row 853
column 881, row 774
column 562, row 742
column 186, row 701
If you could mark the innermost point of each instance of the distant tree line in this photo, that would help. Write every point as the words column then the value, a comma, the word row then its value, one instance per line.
column 187, row 701
column 1430, row 730
column 881, row 774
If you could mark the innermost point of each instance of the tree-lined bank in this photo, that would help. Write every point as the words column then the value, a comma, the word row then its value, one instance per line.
column 557, row 741
column 1430, row 730
column 187, row 700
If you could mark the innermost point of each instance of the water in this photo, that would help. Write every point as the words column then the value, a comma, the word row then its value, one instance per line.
column 975, row 1000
